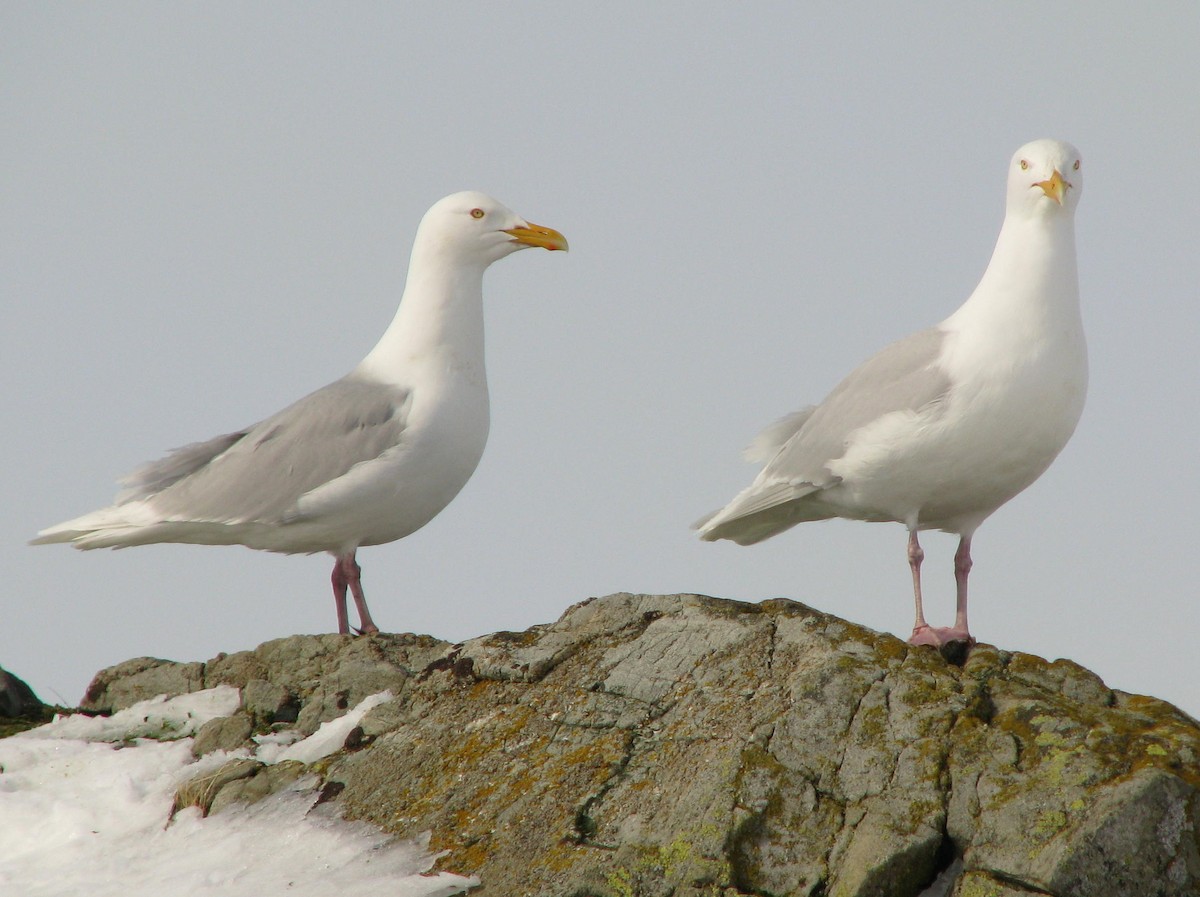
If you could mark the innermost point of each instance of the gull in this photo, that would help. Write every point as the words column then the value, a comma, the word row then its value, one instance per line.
column 368, row 459
column 940, row 429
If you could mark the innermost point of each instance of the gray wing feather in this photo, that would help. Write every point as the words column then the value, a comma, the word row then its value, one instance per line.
column 902, row 377
column 775, row 436
column 155, row 476
column 257, row 474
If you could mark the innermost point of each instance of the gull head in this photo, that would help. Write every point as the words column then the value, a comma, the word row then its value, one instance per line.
column 472, row 227
column 1045, row 177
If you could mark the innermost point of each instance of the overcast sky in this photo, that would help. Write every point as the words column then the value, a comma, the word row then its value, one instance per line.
column 208, row 209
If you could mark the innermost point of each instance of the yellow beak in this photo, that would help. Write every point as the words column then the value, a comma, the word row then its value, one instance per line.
column 1055, row 187
column 536, row 235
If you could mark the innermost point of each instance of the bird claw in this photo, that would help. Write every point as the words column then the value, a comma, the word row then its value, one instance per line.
column 953, row 644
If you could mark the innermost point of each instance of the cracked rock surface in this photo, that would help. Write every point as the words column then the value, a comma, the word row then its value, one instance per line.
column 680, row 746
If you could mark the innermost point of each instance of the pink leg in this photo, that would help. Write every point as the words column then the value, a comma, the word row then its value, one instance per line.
column 366, row 626
column 915, row 556
column 937, row 636
column 339, row 596
column 962, row 569
column 347, row 573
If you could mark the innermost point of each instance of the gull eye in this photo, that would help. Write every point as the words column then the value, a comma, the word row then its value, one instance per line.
column 476, row 213
column 1076, row 165
column 1024, row 165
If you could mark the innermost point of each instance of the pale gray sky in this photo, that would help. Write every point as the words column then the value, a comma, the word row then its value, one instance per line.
column 207, row 212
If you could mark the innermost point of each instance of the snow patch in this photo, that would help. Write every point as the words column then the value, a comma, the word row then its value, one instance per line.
column 85, row 805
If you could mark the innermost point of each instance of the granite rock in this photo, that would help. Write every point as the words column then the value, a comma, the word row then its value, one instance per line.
column 17, row 698
column 680, row 746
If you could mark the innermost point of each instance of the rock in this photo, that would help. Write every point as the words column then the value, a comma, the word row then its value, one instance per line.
column 305, row 680
column 264, row 781
column 241, row 780
column 140, row 679
column 271, row 703
column 200, row 791
column 680, row 746
column 222, row 734
column 16, row 698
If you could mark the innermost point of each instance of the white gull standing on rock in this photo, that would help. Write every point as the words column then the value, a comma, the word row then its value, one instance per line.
column 940, row 429
column 368, row 459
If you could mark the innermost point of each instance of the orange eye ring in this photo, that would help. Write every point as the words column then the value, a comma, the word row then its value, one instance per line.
column 476, row 213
